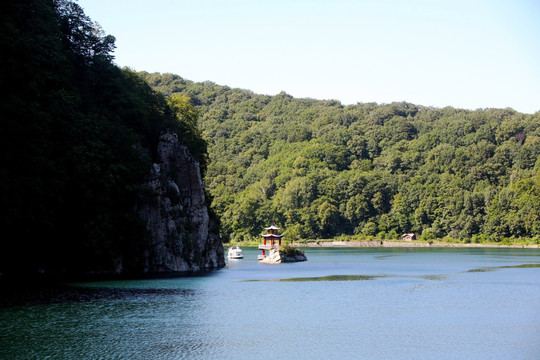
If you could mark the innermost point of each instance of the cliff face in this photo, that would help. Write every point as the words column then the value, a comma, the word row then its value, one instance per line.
column 182, row 234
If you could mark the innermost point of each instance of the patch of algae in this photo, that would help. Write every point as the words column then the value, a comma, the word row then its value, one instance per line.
column 327, row 278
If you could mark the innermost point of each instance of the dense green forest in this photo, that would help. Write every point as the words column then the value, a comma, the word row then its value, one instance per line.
column 321, row 169
column 77, row 137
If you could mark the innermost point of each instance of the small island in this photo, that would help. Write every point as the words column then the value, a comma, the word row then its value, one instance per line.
column 277, row 253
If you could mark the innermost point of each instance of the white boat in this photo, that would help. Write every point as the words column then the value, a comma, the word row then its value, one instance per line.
column 235, row 252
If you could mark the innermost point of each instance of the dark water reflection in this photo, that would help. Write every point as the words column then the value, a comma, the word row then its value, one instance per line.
column 60, row 294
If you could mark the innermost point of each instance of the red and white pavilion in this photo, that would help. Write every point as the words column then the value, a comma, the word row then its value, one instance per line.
column 269, row 241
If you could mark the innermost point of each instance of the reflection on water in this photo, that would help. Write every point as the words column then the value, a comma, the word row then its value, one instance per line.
column 438, row 277
column 326, row 278
column 340, row 304
column 522, row 266
column 484, row 269
column 492, row 268
column 63, row 294
column 351, row 278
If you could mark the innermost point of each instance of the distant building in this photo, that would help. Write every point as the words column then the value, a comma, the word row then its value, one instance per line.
column 272, row 235
column 407, row 237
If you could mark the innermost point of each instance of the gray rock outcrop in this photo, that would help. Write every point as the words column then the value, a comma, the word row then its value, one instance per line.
column 183, row 236
column 277, row 256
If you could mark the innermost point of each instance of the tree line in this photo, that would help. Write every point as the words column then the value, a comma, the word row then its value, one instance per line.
column 77, row 137
column 321, row 169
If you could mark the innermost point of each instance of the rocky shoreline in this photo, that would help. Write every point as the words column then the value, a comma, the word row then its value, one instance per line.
column 402, row 244
column 277, row 256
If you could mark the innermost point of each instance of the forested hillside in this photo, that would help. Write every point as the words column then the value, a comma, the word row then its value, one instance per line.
column 321, row 169
column 77, row 138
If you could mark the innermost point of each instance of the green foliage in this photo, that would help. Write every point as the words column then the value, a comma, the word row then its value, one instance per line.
column 370, row 229
column 323, row 169
column 77, row 138
column 427, row 235
column 290, row 250
column 187, row 129
column 537, row 183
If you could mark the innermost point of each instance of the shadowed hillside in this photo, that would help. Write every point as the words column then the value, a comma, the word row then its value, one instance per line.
column 78, row 140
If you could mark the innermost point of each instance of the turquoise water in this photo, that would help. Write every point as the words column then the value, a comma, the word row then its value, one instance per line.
column 343, row 303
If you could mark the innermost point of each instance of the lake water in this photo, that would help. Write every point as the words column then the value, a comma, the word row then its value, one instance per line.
column 343, row 303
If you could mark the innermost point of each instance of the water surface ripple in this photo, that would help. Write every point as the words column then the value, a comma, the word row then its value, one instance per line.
column 343, row 303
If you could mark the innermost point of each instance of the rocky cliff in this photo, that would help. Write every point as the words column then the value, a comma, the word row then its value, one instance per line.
column 183, row 236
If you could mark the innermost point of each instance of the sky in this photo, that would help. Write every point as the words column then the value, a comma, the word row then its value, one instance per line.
column 463, row 53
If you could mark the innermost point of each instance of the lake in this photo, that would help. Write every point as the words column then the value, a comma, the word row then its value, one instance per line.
column 343, row 303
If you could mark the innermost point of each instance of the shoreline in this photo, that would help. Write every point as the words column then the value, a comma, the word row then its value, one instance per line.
column 403, row 244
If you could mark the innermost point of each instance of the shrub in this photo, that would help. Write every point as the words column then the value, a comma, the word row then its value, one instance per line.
column 289, row 250
column 427, row 235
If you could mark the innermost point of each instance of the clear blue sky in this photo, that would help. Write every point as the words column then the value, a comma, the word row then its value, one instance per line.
column 463, row 53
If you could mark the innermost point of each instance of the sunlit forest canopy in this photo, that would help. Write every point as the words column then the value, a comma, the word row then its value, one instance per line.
column 321, row 169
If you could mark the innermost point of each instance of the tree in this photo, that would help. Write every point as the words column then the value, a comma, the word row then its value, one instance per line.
column 78, row 137
column 328, row 216
column 185, row 111
column 358, row 157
